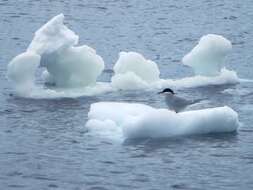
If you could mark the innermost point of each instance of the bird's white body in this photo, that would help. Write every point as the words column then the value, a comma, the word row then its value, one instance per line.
column 177, row 103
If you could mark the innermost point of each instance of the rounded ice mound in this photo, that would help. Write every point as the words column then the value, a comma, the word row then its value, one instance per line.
column 66, row 65
column 207, row 57
column 141, row 121
column 133, row 71
column 22, row 68
column 72, row 67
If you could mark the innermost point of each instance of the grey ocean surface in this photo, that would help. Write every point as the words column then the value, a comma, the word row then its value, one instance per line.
column 44, row 143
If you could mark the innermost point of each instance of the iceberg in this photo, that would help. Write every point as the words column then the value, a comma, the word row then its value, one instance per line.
column 133, row 120
column 52, row 36
column 208, row 56
column 21, row 71
column 133, row 71
column 70, row 70
column 54, row 48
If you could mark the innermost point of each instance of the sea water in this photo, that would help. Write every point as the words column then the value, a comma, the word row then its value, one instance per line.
column 45, row 144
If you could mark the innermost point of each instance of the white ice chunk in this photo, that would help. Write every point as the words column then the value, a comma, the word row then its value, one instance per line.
column 207, row 57
column 140, row 121
column 66, row 66
column 73, row 70
column 128, row 81
column 133, row 71
column 21, row 71
column 165, row 123
column 116, row 111
column 52, row 36
column 73, row 67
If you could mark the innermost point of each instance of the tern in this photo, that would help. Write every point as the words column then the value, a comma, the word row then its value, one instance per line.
column 175, row 102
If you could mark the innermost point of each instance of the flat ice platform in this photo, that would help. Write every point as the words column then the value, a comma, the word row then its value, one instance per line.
column 132, row 120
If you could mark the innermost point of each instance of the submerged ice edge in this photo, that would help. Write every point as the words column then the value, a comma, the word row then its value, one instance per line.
column 245, row 80
column 41, row 92
column 129, row 82
column 73, row 70
column 142, row 121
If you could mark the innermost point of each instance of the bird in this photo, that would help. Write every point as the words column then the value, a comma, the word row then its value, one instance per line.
column 175, row 102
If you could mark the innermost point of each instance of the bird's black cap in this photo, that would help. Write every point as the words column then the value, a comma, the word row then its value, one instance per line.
column 167, row 90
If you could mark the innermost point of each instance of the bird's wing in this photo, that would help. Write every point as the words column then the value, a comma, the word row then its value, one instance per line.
column 197, row 101
column 181, row 101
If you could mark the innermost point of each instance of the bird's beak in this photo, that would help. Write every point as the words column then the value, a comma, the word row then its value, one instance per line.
column 159, row 92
